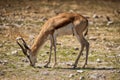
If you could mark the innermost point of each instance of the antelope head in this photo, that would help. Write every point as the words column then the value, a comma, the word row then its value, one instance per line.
column 26, row 50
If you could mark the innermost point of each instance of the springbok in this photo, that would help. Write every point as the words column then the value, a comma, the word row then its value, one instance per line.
column 62, row 24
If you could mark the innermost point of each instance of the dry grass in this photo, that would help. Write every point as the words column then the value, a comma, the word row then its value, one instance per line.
column 27, row 15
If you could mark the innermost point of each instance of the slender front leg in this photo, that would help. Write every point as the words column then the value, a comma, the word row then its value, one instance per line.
column 51, row 45
column 54, row 44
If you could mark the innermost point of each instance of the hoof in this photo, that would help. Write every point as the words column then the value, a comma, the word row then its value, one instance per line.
column 74, row 66
column 32, row 65
column 54, row 65
column 83, row 66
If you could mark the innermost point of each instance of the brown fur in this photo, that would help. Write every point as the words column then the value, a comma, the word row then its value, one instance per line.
column 55, row 23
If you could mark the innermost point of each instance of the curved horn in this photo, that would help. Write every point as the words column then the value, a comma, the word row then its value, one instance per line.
column 24, row 43
column 24, row 49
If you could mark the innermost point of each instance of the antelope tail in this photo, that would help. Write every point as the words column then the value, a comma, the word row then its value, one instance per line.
column 86, row 32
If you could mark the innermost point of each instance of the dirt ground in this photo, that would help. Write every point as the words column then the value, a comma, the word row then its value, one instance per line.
column 25, row 18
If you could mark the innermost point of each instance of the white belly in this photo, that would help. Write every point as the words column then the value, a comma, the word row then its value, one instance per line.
column 66, row 30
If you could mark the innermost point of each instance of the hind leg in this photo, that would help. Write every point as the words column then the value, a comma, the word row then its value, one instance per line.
column 81, row 41
column 87, row 51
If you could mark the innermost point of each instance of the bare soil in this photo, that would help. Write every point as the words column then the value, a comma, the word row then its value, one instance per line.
column 25, row 18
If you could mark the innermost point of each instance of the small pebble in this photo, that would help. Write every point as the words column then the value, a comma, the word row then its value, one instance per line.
column 25, row 60
column 28, row 7
column 2, row 73
column 93, row 38
column 118, row 71
column 71, row 75
column 118, row 48
column 91, row 22
column 81, row 78
column 73, row 53
column 3, row 62
column 69, row 63
column 76, row 48
column 45, row 73
column 95, row 16
column 43, row 55
column 1, row 45
column 109, row 23
column 58, row 43
column 80, row 71
column 98, row 60
column 47, row 52
column 15, row 52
